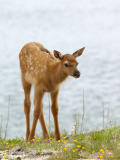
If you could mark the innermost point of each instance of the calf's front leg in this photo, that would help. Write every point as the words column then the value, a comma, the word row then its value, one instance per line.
column 54, row 98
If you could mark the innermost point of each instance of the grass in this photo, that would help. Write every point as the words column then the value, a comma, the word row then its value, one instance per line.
column 107, row 141
column 104, row 144
column 97, row 144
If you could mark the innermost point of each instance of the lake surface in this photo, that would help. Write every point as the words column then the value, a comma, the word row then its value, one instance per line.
column 65, row 26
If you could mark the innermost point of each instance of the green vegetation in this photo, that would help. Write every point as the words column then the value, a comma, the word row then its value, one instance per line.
column 104, row 144
column 98, row 144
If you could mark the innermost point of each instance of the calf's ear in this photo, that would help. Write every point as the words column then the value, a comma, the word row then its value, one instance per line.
column 78, row 52
column 57, row 54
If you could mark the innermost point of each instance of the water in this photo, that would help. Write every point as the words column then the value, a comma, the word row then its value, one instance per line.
column 65, row 26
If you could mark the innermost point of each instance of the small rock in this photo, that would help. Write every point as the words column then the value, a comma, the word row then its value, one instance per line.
column 18, row 158
column 16, row 149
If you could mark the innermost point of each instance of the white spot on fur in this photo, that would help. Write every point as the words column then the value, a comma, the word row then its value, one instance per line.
column 29, row 78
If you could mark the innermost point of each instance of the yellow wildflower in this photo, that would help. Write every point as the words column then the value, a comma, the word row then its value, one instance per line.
column 6, row 150
column 89, row 159
column 65, row 149
column 5, row 155
column 65, row 142
column 75, row 140
column 78, row 146
column 33, row 140
column 51, row 142
column 5, row 143
column 110, row 154
column 102, row 151
column 59, row 141
column 57, row 157
column 38, row 139
column 73, row 151
column 101, row 156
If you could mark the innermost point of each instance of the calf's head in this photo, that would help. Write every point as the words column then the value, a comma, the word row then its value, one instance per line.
column 69, row 62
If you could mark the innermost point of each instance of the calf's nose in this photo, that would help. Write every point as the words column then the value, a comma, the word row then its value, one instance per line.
column 76, row 74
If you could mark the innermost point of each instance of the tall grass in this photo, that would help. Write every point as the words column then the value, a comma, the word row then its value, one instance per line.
column 76, row 126
column 103, row 115
column 83, row 113
column 8, row 116
column 1, row 120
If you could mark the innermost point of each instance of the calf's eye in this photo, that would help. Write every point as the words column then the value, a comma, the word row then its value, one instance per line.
column 66, row 65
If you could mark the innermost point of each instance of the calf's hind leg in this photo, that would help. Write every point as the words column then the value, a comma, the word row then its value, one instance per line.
column 43, row 125
column 27, row 105
column 54, row 97
column 38, row 95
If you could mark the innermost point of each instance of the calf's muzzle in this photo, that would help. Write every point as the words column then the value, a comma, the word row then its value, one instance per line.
column 76, row 74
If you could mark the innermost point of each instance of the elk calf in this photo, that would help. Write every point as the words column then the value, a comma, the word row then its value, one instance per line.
column 46, row 72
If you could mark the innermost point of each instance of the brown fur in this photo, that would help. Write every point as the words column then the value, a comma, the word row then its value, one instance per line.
column 46, row 72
